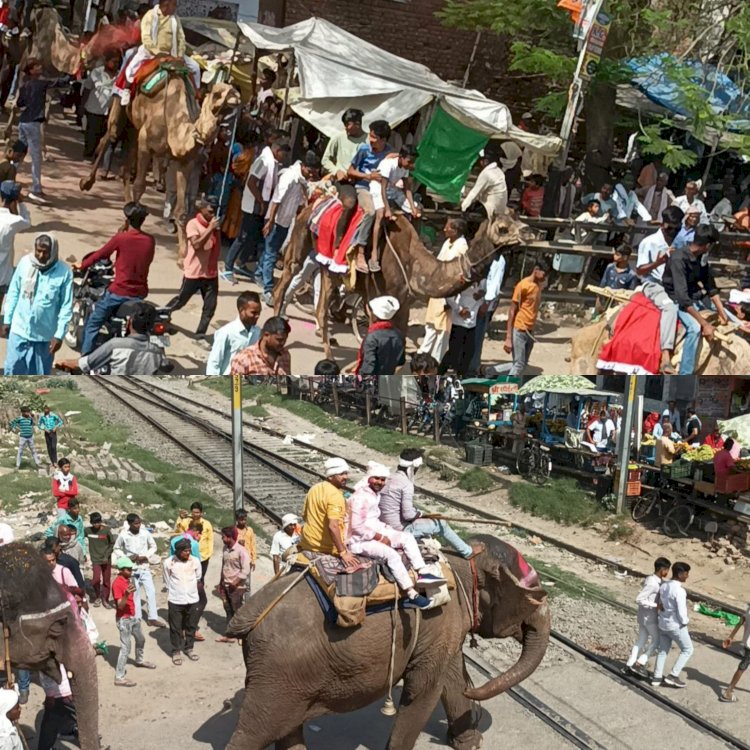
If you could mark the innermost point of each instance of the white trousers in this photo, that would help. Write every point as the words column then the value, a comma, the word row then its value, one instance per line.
column 434, row 343
column 388, row 555
column 143, row 54
column 310, row 270
column 648, row 633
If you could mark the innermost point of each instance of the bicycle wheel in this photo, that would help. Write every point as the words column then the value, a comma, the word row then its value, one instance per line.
column 543, row 467
column 643, row 506
column 678, row 520
column 525, row 463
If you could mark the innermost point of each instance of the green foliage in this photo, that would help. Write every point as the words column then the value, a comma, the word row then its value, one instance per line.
column 673, row 156
column 476, row 480
column 552, row 104
column 561, row 500
column 532, row 59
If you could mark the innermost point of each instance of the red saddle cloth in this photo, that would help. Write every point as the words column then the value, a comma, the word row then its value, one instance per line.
column 328, row 255
column 635, row 345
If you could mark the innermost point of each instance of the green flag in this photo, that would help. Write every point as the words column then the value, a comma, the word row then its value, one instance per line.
column 447, row 153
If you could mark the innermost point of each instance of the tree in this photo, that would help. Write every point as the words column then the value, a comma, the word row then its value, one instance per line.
column 713, row 32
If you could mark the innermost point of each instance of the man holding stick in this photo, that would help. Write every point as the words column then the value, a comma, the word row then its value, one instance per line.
column 397, row 505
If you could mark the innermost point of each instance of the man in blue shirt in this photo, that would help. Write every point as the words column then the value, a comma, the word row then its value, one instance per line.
column 49, row 422
column 231, row 338
column 24, row 425
column 363, row 171
column 38, row 308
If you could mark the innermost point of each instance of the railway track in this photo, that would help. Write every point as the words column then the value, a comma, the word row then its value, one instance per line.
column 277, row 484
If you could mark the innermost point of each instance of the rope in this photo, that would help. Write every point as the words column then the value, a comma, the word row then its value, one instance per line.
column 262, row 616
column 469, row 602
column 398, row 260
column 412, row 642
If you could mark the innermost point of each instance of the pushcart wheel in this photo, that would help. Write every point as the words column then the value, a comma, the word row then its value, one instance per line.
column 678, row 520
column 643, row 505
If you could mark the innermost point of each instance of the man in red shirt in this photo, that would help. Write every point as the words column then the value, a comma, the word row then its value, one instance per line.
column 714, row 439
column 123, row 589
column 135, row 252
column 723, row 461
column 201, row 262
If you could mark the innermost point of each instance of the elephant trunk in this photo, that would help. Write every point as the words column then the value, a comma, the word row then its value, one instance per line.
column 80, row 662
column 534, row 645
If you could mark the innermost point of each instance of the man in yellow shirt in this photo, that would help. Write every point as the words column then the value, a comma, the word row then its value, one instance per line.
column 162, row 34
column 666, row 450
column 246, row 537
column 524, row 308
column 206, row 542
column 324, row 514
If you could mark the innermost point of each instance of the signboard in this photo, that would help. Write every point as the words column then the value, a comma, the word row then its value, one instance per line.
column 595, row 45
column 503, row 389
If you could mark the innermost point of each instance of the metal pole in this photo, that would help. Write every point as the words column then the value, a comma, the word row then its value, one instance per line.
column 290, row 75
column 623, row 446
column 237, row 452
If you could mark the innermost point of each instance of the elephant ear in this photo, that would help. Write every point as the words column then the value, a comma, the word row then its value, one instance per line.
column 510, row 584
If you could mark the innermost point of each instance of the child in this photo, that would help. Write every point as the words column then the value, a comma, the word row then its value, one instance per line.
column 592, row 215
column 127, row 623
column 13, row 157
column 101, row 544
column 246, row 537
column 533, row 196
column 24, row 425
column 64, row 486
column 464, row 309
column 619, row 274
column 648, row 628
column 393, row 169
column 728, row 695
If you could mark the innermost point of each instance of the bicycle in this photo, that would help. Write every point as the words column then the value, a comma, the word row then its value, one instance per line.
column 534, row 462
column 679, row 520
column 659, row 498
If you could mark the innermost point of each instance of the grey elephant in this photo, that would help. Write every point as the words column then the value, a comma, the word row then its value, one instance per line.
column 45, row 631
column 336, row 670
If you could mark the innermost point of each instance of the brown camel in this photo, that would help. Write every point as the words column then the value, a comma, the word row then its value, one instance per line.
column 164, row 128
column 410, row 270
column 56, row 49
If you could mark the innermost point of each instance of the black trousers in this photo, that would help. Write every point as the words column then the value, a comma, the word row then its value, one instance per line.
column 59, row 718
column 96, row 127
column 209, row 290
column 460, row 351
column 182, row 618
column 51, row 439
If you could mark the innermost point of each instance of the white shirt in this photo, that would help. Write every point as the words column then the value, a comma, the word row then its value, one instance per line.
column 466, row 300
column 682, row 202
column 265, row 170
column 181, row 579
column 10, row 224
column 495, row 279
column 646, row 598
column 490, row 190
column 290, row 194
column 100, row 83
column 141, row 544
column 451, row 250
column 674, row 613
column 280, row 543
column 722, row 208
column 392, row 174
column 597, row 431
column 627, row 202
column 653, row 247
column 229, row 340
column 746, row 633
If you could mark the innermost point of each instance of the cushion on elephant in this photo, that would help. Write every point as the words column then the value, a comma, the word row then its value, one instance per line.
column 33, row 637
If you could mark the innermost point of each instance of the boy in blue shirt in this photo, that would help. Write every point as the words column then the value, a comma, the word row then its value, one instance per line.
column 619, row 274
column 24, row 426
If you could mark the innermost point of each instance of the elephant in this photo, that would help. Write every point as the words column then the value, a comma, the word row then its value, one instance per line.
column 298, row 667
column 45, row 631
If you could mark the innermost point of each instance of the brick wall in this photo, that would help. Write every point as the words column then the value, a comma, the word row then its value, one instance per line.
column 409, row 28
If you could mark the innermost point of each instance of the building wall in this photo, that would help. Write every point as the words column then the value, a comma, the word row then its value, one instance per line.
column 409, row 28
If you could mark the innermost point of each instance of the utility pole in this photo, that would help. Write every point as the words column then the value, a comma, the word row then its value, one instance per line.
column 238, row 472
column 623, row 447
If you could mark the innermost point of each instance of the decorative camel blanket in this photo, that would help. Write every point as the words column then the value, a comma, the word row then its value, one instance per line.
column 329, row 255
column 634, row 347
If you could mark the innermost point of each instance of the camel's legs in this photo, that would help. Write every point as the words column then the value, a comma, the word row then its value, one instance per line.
column 143, row 159
column 110, row 136
column 294, row 257
column 321, row 313
column 182, row 174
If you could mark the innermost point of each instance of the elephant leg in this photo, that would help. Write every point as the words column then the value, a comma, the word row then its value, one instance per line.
column 80, row 661
column 293, row 741
column 462, row 719
column 419, row 697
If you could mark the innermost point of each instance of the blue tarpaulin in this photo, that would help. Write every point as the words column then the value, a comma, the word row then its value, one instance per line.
column 655, row 77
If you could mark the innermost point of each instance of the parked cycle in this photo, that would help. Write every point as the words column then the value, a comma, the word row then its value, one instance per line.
column 534, row 462
column 659, row 500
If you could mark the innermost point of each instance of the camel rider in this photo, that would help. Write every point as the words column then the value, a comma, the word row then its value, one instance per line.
column 370, row 537
column 397, row 505
column 324, row 514
column 161, row 34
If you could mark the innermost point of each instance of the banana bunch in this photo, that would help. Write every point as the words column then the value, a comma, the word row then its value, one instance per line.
column 743, row 464
column 704, row 453
column 648, row 440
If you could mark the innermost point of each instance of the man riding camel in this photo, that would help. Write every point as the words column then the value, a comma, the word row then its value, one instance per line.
column 370, row 537
column 161, row 34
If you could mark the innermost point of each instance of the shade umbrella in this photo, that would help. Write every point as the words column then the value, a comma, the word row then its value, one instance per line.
column 557, row 384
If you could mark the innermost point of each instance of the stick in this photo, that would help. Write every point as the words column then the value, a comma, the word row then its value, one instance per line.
column 262, row 616
column 439, row 517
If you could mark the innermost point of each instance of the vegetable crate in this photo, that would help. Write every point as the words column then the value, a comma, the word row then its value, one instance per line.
column 678, row 470
column 478, row 454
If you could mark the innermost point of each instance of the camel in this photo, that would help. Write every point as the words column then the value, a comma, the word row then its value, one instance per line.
column 410, row 270
column 51, row 44
column 163, row 127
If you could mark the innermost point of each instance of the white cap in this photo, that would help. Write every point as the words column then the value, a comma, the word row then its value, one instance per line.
column 6, row 534
column 336, row 466
column 384, row 308
column 375, row 469
column 288, row 519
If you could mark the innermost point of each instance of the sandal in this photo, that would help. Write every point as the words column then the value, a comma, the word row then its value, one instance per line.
column 199, row 636
column 224, row 639
column 723, row 698
column 190, row 655
column 177, row 659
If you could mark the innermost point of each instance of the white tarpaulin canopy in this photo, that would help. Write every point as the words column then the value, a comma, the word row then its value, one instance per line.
column 338, row 70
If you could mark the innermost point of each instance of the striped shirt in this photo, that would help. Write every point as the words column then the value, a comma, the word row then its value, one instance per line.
column 48, row 422
column 24, row 425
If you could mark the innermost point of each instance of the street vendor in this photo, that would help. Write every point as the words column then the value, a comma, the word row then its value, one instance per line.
column 714, row 439
column 724, row 462
column 666, row 450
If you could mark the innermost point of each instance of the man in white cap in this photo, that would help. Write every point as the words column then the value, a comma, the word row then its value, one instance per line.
column 324, row 514
column 397, row 505
column 382, row 349
column 283, row 540
column 10, row 713
column 370, row 537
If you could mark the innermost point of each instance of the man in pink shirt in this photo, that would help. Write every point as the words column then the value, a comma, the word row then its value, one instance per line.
column 201, row 262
